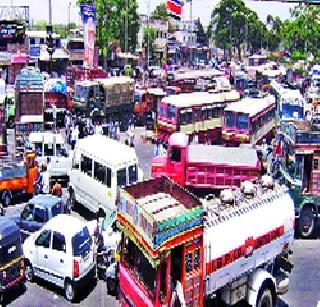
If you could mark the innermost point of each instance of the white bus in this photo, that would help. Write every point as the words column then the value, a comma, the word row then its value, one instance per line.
column 100, row 166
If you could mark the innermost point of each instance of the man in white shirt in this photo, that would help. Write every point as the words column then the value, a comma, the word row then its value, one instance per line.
column 45, row 181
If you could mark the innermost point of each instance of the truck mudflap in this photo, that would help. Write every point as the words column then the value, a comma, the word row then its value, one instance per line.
column 256, row 280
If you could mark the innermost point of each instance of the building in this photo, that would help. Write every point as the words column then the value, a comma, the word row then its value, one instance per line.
column 13, row 55
column 76, row 47
column 161, row 28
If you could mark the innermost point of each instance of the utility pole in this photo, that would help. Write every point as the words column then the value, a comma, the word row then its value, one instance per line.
column 126, row 34
column 148, row 34
column 191, row 28
column 69, row 9
column 50, row 44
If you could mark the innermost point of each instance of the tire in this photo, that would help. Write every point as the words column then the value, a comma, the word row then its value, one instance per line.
column 265, row 298
column 6, row 199
column 307, row 224
column 111, row 286
column 29, row 273
column 1, row 298
column 69, row 291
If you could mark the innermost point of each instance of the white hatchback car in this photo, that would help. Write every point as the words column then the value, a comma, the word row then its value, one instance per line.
column 61, row 252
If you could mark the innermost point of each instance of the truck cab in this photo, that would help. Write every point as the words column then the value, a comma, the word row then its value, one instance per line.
column 173, row 165
column 162, row 269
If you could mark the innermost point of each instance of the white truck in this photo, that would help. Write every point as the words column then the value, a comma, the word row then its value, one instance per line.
column 225, row 249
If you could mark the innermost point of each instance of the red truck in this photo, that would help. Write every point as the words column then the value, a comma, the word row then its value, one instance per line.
column 206, row 167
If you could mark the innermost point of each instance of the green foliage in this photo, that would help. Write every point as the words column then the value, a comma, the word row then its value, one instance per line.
column 111, row 21
column 297, row 55
column 302, row 31
column 160, row 12
column 41, row 25
column 149, row 38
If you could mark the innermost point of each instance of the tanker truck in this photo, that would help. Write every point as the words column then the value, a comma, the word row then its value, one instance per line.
column 224, row 249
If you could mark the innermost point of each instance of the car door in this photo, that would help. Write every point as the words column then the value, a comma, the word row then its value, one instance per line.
column 59, row 260
column 42, row 250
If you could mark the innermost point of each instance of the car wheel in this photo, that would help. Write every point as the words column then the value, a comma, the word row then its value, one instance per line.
column 307, row 224
column 111, row 286
column 69, row 290
column 29, row 273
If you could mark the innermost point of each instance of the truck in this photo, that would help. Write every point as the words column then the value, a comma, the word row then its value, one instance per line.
column 55, row 103
column 206, row 167
column 106, row 99
column 17, row 178
column 175, row 247
column 29, row 98
column 298, row 167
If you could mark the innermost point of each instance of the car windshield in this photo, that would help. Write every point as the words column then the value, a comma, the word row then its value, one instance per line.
column 10, row 251
column 81, row 242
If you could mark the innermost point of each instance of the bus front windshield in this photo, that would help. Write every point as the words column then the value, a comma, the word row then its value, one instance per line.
column 230, row 119
column 291, row 111
column 242, row 122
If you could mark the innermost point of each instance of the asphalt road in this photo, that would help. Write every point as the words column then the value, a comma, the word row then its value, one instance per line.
column 304, row 280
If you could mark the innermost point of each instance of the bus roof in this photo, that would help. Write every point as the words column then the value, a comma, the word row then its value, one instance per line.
column 196, row 74
column 250, row 106
column 194, row 99
column 108, row 150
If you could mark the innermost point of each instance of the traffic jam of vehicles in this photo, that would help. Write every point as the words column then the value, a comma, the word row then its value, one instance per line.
column 209, row 219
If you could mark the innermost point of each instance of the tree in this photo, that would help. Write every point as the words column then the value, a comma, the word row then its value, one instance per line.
column 233, row 25
column 149, row 38
column 302, row 32
column 202, row 38
column 111, row 20
column 41, row 25
column 160, row 12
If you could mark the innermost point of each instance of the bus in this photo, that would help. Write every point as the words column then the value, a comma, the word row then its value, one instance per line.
column 195, row 114
column 193, row 80
column 100, row 166
column 248, row 121
column 289, row 102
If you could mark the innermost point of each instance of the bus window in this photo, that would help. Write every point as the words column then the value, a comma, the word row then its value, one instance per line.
column 171, row 113
column 242, row 122
column 133, row 174
column 121, row 177
column 86, row 165
column 38, row 148
column 183, row 117
column 230, row 119
column 48, row 150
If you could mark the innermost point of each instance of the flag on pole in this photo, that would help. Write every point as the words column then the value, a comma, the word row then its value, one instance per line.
column 174, row 8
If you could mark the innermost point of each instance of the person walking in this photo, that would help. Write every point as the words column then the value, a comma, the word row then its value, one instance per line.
column 45, row 181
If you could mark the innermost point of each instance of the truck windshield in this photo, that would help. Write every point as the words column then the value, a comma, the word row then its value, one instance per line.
column 10, row 252
column 230, row 119
column 81, row 92
column 121, row 177
column 133, row 174
column 140, row 266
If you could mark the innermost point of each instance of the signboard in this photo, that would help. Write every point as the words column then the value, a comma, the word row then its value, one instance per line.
column 12, row 30
column 88, row 15
column 19, row 58
column 5, row 58
column 34, row 51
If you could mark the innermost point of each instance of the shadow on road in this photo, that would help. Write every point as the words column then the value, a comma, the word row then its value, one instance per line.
column 81, row 294
column 13, row 294
column 281, row 303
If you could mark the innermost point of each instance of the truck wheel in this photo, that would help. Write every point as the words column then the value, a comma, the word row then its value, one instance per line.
column 264, row 298
column 111, row 286
column 306, row 224
column 69, row 290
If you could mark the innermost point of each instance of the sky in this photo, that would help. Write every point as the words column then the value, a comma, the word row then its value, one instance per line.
column 200, row 8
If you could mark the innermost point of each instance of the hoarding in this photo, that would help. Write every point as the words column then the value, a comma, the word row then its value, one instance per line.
column 31, row 104
column 88, row 15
